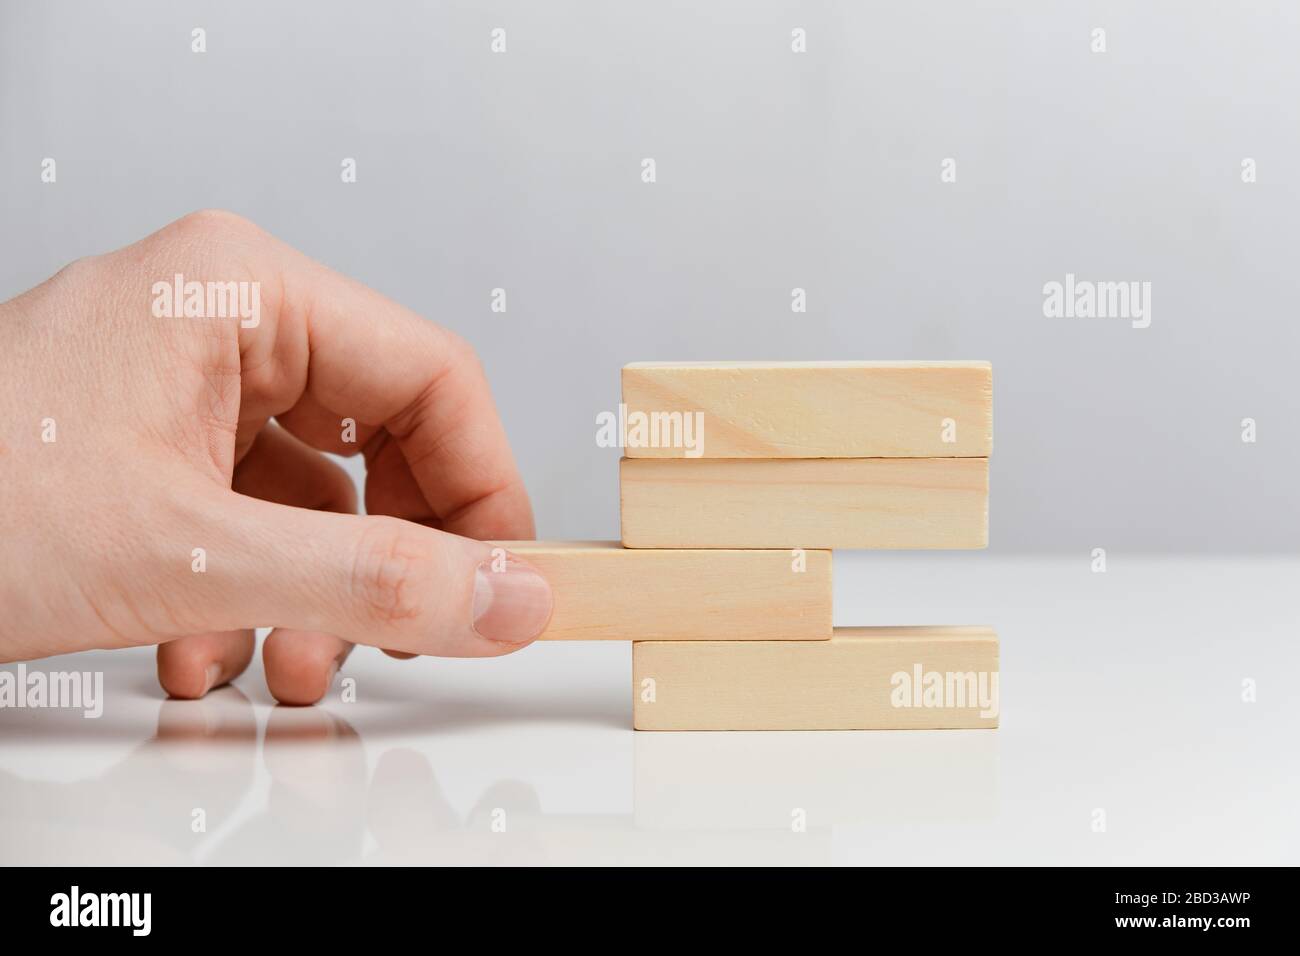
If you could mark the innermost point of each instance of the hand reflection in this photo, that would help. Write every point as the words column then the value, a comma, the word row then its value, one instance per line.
column 201, row 758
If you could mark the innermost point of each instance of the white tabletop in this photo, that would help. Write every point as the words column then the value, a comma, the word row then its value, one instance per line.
column 1120, row 692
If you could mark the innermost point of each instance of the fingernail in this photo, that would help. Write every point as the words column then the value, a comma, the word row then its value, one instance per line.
column 511, row 605
column 212, row 673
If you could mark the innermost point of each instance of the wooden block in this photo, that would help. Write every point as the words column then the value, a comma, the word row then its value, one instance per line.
column 863, row 678
column 806, row 503
column 604, row 592
column 815, row 409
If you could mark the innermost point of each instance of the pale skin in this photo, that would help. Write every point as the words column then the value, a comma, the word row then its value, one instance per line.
column 164, row 443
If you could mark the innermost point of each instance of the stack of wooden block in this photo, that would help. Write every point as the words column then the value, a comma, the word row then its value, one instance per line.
column 740, row 478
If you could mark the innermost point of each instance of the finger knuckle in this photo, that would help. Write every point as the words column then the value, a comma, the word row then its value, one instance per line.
column 217, row 223
column 461, row 354
column 390, row 574
column 80, row 271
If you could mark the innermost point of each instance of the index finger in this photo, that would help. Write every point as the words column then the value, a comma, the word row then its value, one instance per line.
column 326, row 348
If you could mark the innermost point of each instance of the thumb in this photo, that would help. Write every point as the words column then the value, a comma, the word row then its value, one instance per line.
column 367, row 579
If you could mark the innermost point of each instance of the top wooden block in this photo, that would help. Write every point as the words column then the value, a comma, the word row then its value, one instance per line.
column 809, row 409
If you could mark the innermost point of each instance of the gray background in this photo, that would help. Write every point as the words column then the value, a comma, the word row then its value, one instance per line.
column 775, row 170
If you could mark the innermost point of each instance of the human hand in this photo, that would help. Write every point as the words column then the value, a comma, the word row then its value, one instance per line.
column 146, row 497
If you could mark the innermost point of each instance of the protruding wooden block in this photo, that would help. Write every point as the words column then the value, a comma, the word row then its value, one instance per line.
column 816, row 409
column 863, row 678
column 604, row 592
column 808, row 503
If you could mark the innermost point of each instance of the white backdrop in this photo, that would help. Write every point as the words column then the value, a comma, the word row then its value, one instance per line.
column 775, row 170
